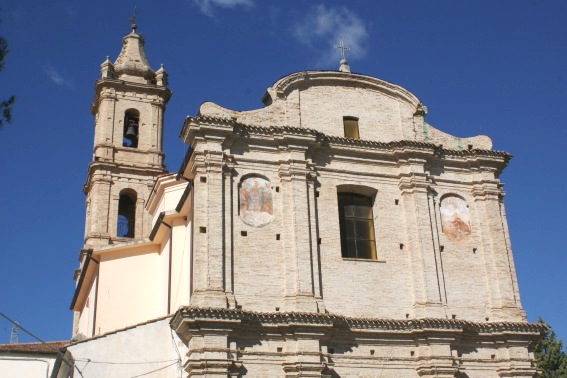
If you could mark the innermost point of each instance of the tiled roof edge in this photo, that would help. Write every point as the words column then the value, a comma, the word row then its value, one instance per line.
column 407, row 325
column 271, row 130
column 48, row 347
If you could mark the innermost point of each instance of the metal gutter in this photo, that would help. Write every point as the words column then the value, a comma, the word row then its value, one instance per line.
column 185, row 194
column 158, row 223
column 88, row 258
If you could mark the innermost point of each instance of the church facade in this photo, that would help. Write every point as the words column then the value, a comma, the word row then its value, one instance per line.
column 331, row 233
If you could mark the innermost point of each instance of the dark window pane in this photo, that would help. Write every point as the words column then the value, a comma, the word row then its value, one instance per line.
column 361, row 200
column 364, row 230
column 345, row 198
column 356, row 226
column 349, row 211
column 364, row 212
column 350, row 229
column 351, row 248
column 366, row 249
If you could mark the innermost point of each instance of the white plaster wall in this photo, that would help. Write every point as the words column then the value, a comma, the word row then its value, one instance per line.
column 167, row 196
column 86, row 319
column 173, row 194
column 132, row 288
column 22, row 366
column 133, row 282
column 181, row 265
column 132, row 352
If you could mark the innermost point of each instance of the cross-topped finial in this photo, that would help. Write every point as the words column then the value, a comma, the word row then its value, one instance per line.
column 342, row 47
column 344, row 67
column 132, row 19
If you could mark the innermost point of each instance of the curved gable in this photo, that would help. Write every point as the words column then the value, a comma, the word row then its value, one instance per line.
column 322, row 100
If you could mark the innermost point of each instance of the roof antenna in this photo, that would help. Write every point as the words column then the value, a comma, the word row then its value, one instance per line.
column 132, row 19
column 344, row 64
column 14, row 339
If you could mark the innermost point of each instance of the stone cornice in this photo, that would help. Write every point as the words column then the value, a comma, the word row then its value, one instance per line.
column 110, row 168
column 127, row 86
column 323, row 140
column 373, row 324
column 302, row 79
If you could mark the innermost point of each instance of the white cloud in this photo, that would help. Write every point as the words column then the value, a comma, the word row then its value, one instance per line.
column 320, row 30
column 56, row 77
column 206, row 6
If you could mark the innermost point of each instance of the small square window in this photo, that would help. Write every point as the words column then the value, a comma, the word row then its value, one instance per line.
column 351, row 127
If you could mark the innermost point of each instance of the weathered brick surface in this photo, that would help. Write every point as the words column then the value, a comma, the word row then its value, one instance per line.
column 114, row 168
column 420, row 272
column 280, row 300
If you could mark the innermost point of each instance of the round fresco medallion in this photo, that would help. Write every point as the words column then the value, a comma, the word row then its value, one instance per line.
column 455, row 218
column 256, row 205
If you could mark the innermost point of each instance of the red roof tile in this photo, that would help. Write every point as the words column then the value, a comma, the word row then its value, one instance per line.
column 50, row 347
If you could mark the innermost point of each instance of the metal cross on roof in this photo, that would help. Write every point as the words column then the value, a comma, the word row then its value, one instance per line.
column 342, row 47
column 132, row 19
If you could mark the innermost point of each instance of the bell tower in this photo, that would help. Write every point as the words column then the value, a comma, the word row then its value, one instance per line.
column 129, row 105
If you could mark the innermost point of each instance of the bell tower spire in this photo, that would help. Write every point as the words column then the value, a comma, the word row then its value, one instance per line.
column 128, row 106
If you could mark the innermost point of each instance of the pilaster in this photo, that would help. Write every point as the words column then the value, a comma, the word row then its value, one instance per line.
column 298, row 244
column 304, row 352
column 209, row 241
column 230, row 202
column 424, row 260
column 515, row 360
column 99, row 194
column 210, row 355
column 498, row 262
column 434, row 355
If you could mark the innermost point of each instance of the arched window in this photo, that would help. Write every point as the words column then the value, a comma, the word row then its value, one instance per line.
column 131, row 125
column 126, row 214
column 357, row 226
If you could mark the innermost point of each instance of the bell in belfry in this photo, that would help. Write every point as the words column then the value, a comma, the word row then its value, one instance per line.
column 131, row 132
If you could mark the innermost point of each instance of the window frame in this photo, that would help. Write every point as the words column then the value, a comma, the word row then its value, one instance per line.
column 347, row 122
column 352, row 224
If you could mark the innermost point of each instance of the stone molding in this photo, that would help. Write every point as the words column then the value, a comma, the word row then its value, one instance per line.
column 127, row 86
column 385, row 325
column 333, row 141
column 310, row 333
column 287, row 83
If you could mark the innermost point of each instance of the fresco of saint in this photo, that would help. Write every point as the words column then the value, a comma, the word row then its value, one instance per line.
column 256, row 204
column 455, row 218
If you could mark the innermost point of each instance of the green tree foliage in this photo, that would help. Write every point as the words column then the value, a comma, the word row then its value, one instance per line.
column 5, row 105
column 550, row 357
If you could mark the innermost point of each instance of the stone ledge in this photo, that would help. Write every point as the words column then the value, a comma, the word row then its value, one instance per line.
column 325, row 140
column 387, row 325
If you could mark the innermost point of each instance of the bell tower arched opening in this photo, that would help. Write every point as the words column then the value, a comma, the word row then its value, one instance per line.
column 126, row 227
column 129, row 104
column 130, row 133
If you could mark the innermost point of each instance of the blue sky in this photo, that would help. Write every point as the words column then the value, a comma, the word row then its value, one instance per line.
column 481, row 67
